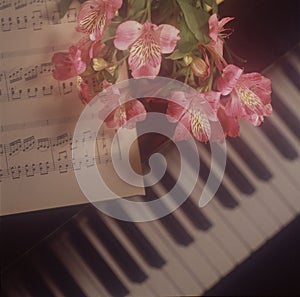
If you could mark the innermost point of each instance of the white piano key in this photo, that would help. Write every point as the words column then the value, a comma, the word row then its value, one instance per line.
column 284, row 88
column 266, row 195
column 239, row 217
column 158, row 279
column 135, row 289
column 294, row 60
column 180, row 259
column 284, row 182
column 81, row 273
column 219, row 234
column 255, row 203
column 193, row 254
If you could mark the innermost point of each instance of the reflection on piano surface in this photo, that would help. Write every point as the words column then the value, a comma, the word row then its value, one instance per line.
column 190, row 250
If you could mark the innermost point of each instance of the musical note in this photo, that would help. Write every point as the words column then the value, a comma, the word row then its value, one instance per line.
column 5, row 4
column 43, row 144
column 62, row 160
column 14, row 147
column 28, row 143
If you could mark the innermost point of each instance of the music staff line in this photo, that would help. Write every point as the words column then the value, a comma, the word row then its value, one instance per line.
column 30, row 82
column 41, row 15
column 52, row 154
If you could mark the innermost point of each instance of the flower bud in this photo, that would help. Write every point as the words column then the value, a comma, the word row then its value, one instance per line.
column 187, row 60
column 100, row 64
column 200, row 68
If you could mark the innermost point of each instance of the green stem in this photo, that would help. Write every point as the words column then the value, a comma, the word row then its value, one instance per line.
column 149, row 2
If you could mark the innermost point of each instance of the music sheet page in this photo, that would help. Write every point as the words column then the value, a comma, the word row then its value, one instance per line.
column 38, row 114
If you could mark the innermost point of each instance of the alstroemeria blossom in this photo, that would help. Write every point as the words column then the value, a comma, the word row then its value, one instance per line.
column 95, row 15
column 123, row 114
column 249, row 95
column 216, row 44
column 230, row 124
column 68, row 64
column 145, row 42
column 195, row 113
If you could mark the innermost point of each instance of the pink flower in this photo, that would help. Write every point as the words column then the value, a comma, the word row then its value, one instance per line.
column 194, row 114
column 230, row 125
column 95, row 15
column 68, row 64
column 84, row 91
column 216, row 34
column 146, row 43
column 249, row 95
column 124, row 115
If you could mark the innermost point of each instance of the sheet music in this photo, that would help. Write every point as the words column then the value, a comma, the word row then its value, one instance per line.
column 38, row 113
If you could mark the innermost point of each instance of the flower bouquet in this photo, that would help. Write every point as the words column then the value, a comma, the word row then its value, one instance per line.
column 180, row 39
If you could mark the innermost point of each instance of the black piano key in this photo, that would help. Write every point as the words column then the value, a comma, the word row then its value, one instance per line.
column 254, row 163
column 142, row 244
column 223, row 195
column 280, row 142
column 287, row 115
column 190, row 209
column 171, row 224
column 58, row 272
column 124, row 260
column 33, row 281
column 238, row 178
column 235, row 175
column 290, row 71
column 96, row 262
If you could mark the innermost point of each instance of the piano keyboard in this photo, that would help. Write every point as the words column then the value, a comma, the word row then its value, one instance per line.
column 191, row 249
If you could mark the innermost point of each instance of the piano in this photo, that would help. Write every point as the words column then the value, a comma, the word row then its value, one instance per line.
column 192, row 250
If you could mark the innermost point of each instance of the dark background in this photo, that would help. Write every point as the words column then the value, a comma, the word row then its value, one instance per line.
column 263, row 31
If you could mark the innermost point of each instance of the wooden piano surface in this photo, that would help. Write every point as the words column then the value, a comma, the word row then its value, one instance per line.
column 192, row 251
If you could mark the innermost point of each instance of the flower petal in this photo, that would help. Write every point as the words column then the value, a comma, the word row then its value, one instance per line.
column 176, row 110
column 227, row 82
column 182, row 127
column 134, row 109
column 144, row 71
column 168, row 37
column 127, row 33
column 230, row 125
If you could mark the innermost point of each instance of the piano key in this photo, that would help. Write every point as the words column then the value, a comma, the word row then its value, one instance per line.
column 35, row 284
column 284, row 88
column 255, row 209
column 74, row 262
column 160, row 282
column 223, row 194
column 207, row 272
column 290, row 71
column 286, row 114
column 210, row 241
column 96, row 262
column 280, row 142
column 283, row 183
column 142, row 244
column 134, row 288
column 48, row 261
column 178, row 268
column 121, row 256
column 179, row 234
column 266, row 206
column 245, row 226
column 255, row 164
column 191, row 211
column 237, row 177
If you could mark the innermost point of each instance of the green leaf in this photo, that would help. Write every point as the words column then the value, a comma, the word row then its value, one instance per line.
column 186, row 44
column 135, row 8
column 162, row 11
column 196, row 19
column 63, row 6
column 111, row 29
